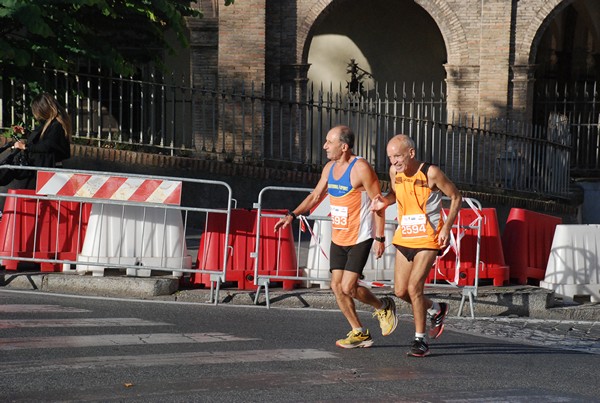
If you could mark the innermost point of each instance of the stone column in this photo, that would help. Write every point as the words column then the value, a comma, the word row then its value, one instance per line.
column 295, row 75
column 494, row 56
column 462, row 86
column 242, row 42
column 294, row 136
column 522, row 92
column 241, row 62
column 204, row 44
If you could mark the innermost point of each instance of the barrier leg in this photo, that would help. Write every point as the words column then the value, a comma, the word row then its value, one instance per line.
column 257, row 295
column 262, row 283
column 212, row 289
column 267, row 298
column 470, row 292
column 217, row 291
column 214, row 293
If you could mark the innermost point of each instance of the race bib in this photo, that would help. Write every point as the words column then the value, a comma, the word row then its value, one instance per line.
column 339, row 217
column 414, row 226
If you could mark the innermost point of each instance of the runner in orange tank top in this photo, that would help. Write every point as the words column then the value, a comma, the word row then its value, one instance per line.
column 351, row 184
column 417, row 188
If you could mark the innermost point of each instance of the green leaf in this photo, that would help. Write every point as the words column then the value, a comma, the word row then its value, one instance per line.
column 115, row 34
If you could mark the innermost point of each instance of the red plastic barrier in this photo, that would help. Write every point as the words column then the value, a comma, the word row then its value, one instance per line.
column 527, row 240
column 273, row 252
column 57, row 229
column 491, row 256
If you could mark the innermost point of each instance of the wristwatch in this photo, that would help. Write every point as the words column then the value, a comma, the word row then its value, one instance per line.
column 380, row 239
column 291, row 214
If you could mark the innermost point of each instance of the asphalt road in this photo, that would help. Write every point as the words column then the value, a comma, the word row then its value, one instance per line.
column 59, row 348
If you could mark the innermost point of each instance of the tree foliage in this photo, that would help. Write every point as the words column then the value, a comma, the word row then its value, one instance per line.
column 115, row 34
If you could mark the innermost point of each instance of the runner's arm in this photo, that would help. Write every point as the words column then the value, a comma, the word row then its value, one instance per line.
column 370, row 182
column 314, row 198
column 381, row 202
column 437, row 178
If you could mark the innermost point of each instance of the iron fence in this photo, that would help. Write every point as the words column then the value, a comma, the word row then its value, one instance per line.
column 573, row 107
column 147, row 111
column 285, row 126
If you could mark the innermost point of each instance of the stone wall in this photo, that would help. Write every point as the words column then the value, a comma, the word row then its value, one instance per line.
column 489, row 43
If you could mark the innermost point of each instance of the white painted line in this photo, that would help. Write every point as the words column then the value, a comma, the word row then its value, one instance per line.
column 33, row 367
column 8, row 344
column 83, row 322
column 30, row 308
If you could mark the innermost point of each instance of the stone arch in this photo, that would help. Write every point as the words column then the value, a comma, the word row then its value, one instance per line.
column 451, row 29
column 447, row 21
column 305, row 27
column 525, row 51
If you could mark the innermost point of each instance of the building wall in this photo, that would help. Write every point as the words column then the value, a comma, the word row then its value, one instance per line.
column 490, row 46
column 242, row 42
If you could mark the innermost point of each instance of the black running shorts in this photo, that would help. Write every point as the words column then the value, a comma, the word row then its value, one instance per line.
column 352, row 258
column 410, row 253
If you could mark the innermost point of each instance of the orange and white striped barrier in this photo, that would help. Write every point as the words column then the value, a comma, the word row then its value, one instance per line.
column 109, row 187
column 160, row 230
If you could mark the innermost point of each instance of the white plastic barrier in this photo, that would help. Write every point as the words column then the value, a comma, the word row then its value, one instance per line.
column 574, row 262
column 382, row 269
column 318, row 263
column 134, row 235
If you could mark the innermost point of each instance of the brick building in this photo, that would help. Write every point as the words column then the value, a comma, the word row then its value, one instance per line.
column 491, row 53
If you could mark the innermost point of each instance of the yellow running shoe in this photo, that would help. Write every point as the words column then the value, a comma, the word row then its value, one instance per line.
column 355, row 339
column 387, row 316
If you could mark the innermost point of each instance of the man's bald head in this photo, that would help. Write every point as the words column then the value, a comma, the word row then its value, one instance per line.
column 403, row 141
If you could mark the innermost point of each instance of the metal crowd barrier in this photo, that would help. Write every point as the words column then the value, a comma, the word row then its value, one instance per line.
column 459, row 229
column 301, row 274
column 261, row 279
column 95, row 220
column 311, row 235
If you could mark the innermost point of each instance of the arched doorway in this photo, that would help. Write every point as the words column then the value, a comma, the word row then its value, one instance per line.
column 397, row 53
column 569, row 49
column 566, row 88
column 394, row 41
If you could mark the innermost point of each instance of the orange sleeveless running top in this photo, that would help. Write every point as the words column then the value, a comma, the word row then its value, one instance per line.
column 419, row 219
column 351, row 219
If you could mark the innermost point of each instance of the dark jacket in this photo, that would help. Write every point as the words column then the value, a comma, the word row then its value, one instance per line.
column 43, row 152
column 50, row 149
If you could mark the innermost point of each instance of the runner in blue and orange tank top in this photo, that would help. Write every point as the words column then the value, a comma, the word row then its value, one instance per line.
column 351, row 219
column 351, row 184
column 417, row 188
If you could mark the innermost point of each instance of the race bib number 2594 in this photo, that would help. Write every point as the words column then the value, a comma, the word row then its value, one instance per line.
column 413, row 226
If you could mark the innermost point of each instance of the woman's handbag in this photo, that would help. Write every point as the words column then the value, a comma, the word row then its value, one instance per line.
column 16, row 157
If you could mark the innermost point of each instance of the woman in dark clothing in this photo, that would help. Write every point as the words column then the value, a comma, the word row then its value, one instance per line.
column 48, row 144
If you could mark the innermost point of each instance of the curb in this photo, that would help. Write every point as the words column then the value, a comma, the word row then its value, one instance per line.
column 110, row 286
column 509, row 301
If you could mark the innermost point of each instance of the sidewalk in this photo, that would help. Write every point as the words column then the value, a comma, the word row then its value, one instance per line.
column 508, row 301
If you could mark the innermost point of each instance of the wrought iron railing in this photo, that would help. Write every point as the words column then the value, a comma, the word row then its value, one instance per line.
column 285, row 127
column 576, row 104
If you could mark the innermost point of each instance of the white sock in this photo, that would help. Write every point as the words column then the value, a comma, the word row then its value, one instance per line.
column 358, row 329
column 419, row 335
column 435, row 308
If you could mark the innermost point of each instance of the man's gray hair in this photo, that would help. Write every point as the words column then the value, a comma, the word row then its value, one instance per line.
column 405, row 140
